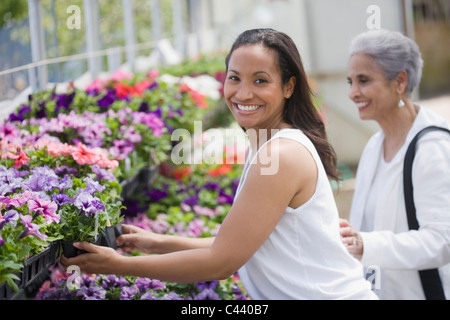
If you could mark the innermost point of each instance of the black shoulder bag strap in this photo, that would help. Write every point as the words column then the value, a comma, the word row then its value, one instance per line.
column 431, row 281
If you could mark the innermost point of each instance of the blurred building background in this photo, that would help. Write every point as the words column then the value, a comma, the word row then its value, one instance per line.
column 41, row 44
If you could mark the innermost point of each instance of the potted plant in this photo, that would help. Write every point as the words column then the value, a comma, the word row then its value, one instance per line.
column 86, row 213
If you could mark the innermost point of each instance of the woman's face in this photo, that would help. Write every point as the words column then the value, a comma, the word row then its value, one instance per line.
column 253, row 89
column 374, row 95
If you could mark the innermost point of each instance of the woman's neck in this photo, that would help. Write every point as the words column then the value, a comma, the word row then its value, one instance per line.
column 396, row 126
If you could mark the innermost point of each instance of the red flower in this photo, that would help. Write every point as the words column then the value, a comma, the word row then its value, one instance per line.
column 199, row 99
column 124, row 90
column 182, row 172
column 221, row 170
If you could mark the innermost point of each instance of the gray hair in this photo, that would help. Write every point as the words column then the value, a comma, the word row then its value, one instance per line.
column 393, row 52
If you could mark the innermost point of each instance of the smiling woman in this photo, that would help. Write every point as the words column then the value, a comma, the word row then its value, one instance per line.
column 384, row 68
column 294, row 251
column 255, row 94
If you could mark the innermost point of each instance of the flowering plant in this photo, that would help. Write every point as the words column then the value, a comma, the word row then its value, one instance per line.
column 45, row 187
column 111, row 287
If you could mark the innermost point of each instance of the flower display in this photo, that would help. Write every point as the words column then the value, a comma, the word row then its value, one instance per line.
column 64, row 159
column 111, row 287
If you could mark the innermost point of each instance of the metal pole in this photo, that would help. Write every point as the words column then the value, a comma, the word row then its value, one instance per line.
column 130, row 35
column 38, row 75
column 92, row 38
column 178, row 28
column 156, row 20
column 195, row 22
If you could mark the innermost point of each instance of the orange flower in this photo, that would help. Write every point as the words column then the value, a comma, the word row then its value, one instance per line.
column 199, row 99
column 221, row 170
column 123, row 90
column 180, row 173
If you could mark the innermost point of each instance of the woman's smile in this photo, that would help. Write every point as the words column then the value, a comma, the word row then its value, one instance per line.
column 247, row 108
column 362, row 105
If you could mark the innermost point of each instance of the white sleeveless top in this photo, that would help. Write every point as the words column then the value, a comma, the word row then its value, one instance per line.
column 304, row 257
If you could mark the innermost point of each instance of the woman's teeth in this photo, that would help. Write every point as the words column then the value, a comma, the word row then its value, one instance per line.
column 362, row 104
column 247, row 108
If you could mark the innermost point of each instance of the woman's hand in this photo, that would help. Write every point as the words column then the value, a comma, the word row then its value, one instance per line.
column 137, row 239
column 351, row 239
column 98, row 259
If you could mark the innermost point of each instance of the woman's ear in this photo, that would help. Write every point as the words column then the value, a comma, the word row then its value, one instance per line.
column 402, row 81
column 289, row 87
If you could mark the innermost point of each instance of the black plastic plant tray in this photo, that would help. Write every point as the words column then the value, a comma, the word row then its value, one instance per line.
column 33, row 268
column 39, row 263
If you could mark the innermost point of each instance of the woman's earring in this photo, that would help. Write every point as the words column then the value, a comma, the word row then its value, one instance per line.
column 401, row 104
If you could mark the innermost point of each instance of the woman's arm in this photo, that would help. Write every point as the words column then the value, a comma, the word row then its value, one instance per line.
column 135, row 238
column 250, row 221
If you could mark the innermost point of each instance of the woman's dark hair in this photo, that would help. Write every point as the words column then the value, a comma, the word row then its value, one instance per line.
column 299, row 110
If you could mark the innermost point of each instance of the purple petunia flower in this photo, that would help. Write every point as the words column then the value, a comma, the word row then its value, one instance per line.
column 172, row 296
column 20, row 115
column 61, row 198
column 157, row 194
column 91, row 293
column 64, row 183
column 63, row 101
column 41, row 179
column 207, row 285
column 63, row 170
column 10, row 180
column 11, row 217
column 145, row 284
column 93, row 186
column 102, row 174
column 148, row 296
column 128, row 293
column 130, row 134
column 107, row 100
column 225, row 198
column 121, row 149
column 30, row 228
column 207, row 294
column 112, row 281
column 88, row 204
column 191, row 201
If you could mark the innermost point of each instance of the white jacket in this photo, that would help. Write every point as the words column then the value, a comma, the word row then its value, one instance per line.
column 398, row 252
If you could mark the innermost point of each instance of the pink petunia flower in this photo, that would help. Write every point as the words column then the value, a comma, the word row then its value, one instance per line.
column 83, row 155
column 46, row 208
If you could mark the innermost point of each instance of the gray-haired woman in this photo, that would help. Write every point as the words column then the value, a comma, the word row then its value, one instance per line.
column 384, row 69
